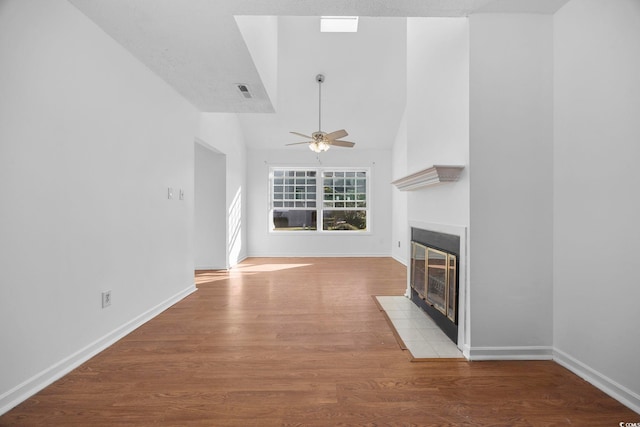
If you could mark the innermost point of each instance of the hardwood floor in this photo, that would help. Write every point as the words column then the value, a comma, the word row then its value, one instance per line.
column 300, row 341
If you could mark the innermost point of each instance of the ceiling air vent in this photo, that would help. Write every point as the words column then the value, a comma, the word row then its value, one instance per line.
column 244, row 90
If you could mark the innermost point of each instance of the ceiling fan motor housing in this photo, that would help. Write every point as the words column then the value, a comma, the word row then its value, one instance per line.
column 320, row 78
column 319, row 136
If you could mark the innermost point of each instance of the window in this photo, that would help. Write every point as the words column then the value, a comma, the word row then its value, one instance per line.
column 319, row 199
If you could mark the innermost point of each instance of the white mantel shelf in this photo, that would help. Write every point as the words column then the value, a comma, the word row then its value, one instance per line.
column 430, row 176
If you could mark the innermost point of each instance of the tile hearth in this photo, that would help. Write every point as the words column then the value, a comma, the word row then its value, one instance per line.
column 419, row 333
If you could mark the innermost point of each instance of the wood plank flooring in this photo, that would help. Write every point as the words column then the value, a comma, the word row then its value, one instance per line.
column 300, row 342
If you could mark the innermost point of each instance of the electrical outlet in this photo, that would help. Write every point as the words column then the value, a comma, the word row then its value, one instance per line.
column 169, row 193
column 398, row 243
column 106, row 299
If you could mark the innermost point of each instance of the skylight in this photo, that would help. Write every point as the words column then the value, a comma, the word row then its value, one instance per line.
column 339, row 24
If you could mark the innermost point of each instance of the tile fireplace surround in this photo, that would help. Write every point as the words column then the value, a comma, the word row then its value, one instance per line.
column 418, row 332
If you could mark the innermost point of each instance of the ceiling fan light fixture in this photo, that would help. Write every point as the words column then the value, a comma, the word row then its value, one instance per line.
column 318, row 146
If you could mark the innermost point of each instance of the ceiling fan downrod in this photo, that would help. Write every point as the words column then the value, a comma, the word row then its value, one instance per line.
column 320, row 80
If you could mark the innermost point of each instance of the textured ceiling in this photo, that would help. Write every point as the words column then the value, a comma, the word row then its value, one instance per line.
column 197, row 47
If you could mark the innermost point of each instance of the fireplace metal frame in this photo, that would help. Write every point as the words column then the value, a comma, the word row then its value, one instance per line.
column 447, row 247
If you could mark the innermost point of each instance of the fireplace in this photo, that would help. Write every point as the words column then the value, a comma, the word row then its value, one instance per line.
column 434, row 277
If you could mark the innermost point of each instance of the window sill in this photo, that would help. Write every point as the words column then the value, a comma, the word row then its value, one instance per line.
column 321, row 232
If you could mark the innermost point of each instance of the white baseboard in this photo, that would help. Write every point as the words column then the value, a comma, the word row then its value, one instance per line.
column 401, row 261
column 209, row 267
column 619, row 392
column 41, row 380
column 318, row 255
column 509, row 353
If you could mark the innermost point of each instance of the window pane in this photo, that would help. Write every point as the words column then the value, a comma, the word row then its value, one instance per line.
column 355, row 220
column 295, row 220
column 341, row 201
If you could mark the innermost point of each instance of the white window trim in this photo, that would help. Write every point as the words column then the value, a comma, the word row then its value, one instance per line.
column 319, row 200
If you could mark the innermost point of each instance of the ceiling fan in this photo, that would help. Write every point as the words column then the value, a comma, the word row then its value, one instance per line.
column 321, row 141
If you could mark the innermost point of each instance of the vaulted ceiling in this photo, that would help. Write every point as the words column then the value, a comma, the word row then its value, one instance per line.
column 204, row 48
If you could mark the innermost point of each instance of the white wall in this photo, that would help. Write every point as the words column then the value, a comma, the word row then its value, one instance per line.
column 264, row 243
column 511, row 185
column 596, row 154
column 210, row 213
column 438, row 115
column 435, row 131
column 399, row 215
column 222, row 131
column 90, row 141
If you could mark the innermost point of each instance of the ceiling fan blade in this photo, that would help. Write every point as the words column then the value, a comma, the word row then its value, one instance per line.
column 298, row 143
column 302, row 135
column 337, row 134
column 339, row 143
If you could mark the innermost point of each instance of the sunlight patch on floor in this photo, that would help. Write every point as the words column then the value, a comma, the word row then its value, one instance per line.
column 264, row 268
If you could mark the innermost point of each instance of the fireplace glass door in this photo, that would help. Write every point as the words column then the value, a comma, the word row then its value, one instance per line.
column 437, row 280
column 433, row 277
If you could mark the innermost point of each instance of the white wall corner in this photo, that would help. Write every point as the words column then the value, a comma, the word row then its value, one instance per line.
column 617, row 391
